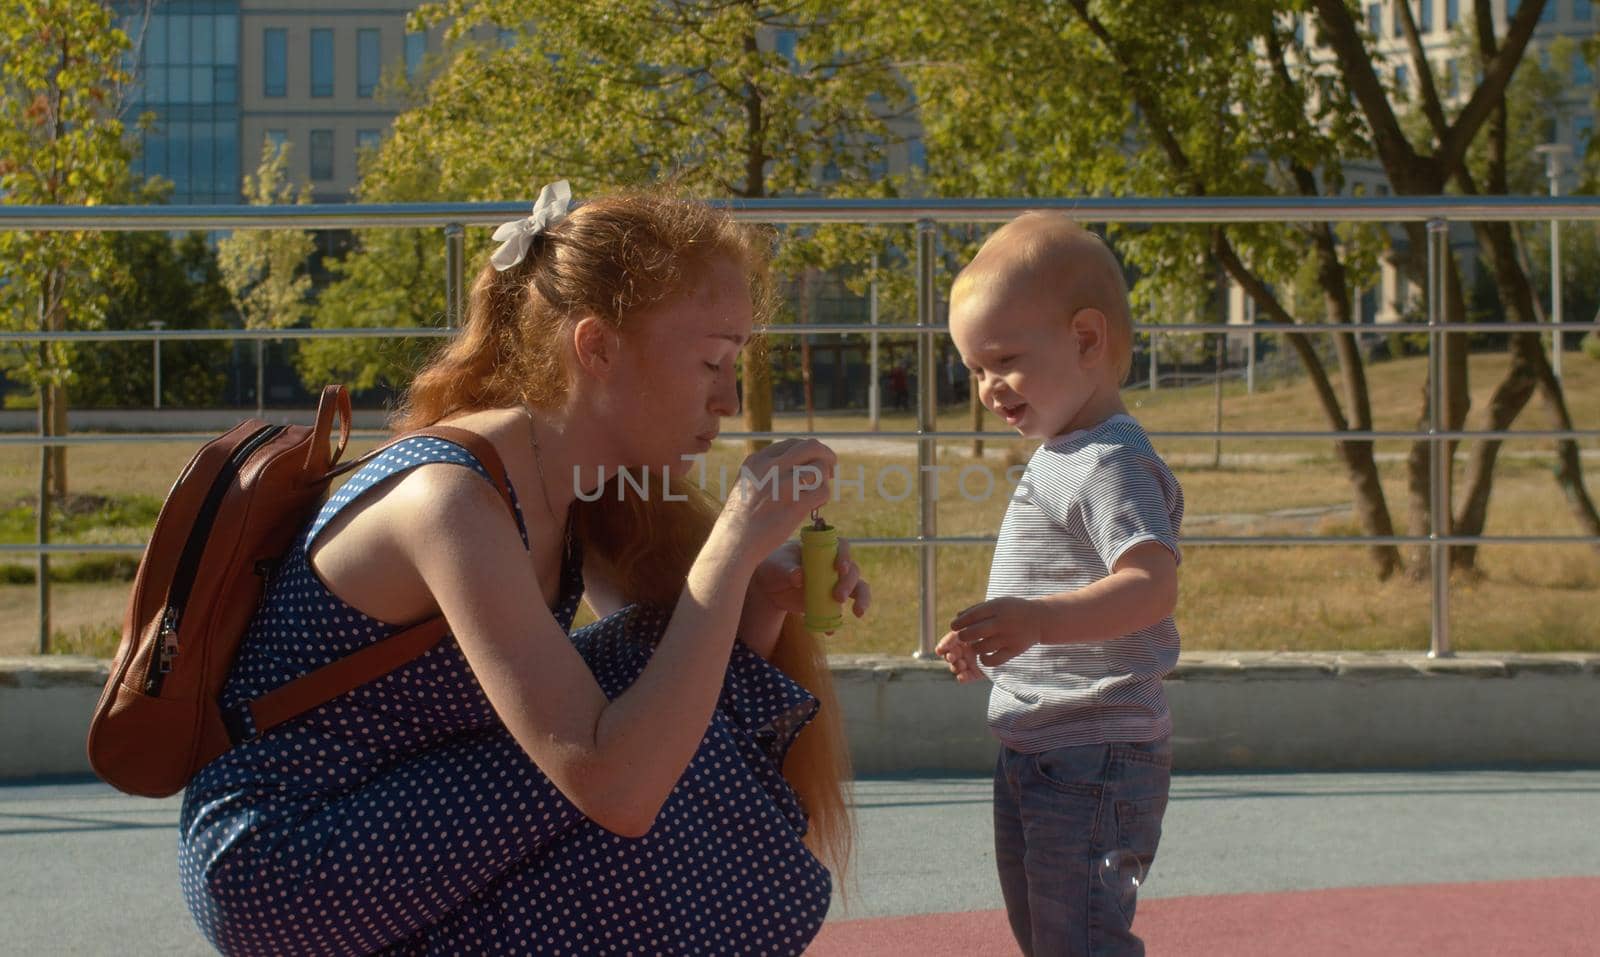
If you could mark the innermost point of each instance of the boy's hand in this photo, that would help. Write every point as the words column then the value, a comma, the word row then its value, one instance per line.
column 998, row 630
column 958, row 655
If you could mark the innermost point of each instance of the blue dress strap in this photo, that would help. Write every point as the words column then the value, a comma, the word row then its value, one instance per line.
column 402, row 456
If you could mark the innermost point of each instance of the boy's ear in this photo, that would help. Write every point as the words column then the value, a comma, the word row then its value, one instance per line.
column 1090, row 330
column 595, row 346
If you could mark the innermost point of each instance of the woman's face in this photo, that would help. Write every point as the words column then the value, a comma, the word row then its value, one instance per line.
column 676, row 379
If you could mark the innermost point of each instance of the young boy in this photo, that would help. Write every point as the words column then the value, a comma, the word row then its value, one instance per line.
column 1076, row 632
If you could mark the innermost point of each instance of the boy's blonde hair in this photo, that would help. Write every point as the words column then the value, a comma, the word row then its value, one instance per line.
column 1055, row 257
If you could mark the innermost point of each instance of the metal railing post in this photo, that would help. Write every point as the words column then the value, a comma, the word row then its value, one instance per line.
column 41, row 526
column 455, row 269
column 1438, row 445
column 155, row 362
column 872, row 363
column 927, row 427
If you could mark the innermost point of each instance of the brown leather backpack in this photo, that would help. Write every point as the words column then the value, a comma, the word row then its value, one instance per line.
column 232, row 514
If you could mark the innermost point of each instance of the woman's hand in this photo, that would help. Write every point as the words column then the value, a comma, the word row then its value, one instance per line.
column 777, row 488
column 780, row 584
column 777, row 590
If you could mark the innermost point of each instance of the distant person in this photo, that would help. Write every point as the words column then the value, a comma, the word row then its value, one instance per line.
column 899, row 387
column 1076, row 631
column 666, row 780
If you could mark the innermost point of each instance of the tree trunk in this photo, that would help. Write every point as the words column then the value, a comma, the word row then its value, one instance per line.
column 757, row 395
column 52, row 394
column 807, row 281
column 1529, row 370
column 58, row 453
column 1361, row 467
column 757, row 370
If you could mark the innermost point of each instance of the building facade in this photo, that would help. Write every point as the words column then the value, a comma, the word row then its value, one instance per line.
column 220, row 79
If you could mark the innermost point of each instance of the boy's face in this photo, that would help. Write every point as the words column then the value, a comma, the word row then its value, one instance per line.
column 1025, row 353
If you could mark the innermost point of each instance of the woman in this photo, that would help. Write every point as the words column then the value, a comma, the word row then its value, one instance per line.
column 518, row 789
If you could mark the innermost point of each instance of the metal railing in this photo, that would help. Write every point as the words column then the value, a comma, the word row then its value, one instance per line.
column 925, row 216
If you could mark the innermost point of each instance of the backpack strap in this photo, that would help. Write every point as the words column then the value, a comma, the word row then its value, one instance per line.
column 348, row 673
column 318, row 687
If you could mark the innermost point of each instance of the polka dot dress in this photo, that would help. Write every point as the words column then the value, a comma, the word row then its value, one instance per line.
column 403, row 818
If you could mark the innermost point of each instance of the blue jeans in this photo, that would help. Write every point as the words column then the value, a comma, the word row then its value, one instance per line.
column 1057, row 815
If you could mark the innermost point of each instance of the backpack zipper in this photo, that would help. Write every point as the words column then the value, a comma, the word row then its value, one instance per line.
column 166, row 645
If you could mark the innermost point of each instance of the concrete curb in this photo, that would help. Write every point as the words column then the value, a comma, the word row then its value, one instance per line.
column 1231, row 711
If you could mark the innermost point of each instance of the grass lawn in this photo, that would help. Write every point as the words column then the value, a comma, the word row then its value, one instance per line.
column 1529, row 598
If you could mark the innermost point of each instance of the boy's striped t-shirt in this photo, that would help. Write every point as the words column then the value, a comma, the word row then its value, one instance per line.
column 1084, row 499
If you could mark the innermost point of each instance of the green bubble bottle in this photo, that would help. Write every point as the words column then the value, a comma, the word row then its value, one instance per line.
column 819, row 548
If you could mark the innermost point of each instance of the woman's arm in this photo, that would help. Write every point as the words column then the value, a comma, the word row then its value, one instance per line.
column 615, row 760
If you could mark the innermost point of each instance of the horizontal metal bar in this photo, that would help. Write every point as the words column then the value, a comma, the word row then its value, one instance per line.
column 787, row 329
column 73, row 549
column 198, row 335
column 1311, row 435
column 150, row 438
column 1276, row 540
column 363, row 435
column 1223, row 209
column 1353, row 541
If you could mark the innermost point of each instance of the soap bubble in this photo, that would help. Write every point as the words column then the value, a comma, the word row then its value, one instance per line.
column 1122, row 873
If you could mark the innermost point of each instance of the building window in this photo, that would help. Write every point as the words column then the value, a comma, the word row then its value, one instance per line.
column 1582, row 132
column 1511, row 8
column 1425, row 16
column 1548, row 14
column 1402, row 82
column 1452, row 12
column 1582, row 75
column 367, row 62
column 1452, row 72
column 274, row 62
column 367, row 142
column 1582, row 11
column 786, row 44
column 1397, row 25
column 1375, row 19
column 275, row 140
column 416, row 49
column 322, row 154
column 187, row 77
column 321, row 62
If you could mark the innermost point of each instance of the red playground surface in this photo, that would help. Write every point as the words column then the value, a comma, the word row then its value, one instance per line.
column 1548, row 917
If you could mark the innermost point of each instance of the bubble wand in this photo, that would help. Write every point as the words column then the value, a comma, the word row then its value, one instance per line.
column 819, row 549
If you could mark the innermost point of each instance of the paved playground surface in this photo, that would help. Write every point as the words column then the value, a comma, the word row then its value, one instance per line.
column 1500, row 862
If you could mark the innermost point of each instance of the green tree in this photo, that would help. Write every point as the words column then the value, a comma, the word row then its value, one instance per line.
column 624, row 92
column 1428, row 164
column 61, row 144
column 1154, row 100
column 174, row 281
column 267, row 272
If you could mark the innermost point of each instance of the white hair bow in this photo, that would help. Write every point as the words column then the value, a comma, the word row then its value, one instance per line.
column 516, row 236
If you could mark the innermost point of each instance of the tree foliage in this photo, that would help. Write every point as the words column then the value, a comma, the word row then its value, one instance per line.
column 173, row 280
column 619, row 93
column 61, row 143
column 267, row 271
